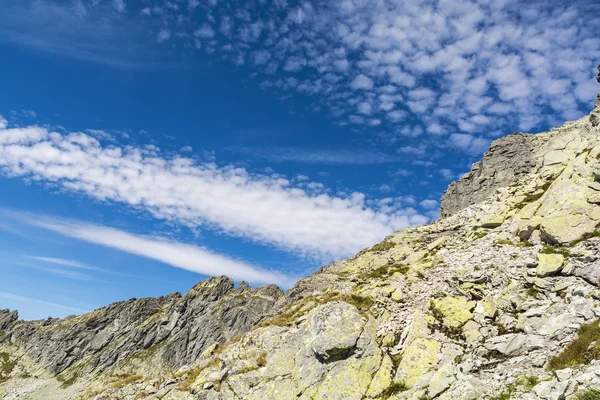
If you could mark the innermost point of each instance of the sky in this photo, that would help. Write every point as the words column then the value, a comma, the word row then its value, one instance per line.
column 146, row 145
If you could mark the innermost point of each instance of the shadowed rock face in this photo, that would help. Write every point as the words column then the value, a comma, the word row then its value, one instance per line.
column 507, row 159
column 183, row 326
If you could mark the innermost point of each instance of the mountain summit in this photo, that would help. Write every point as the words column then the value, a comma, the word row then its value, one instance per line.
column 498, row 299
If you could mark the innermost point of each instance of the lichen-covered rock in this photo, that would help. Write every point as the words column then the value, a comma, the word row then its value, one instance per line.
column 454, row 311
column 333, row 330
column 549, row 264
column 418, row 359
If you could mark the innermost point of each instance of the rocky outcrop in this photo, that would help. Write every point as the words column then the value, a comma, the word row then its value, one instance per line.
column 507, row 159
column 172, row 330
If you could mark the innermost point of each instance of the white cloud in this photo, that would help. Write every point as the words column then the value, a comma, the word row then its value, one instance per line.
column 365, row 108
column 163, row 35
column 185, row 256
column 469, row 143
column 464, row 67
column 3, row 122
column 204, row 32
column 429, row 204
column 447, row 173
column 319, row 156
column 119, row 5
column 65, row 262
column 266, row 209
column 361, row 82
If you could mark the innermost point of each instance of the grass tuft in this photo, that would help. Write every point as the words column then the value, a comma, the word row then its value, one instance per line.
column 590, row 394
column 383, row 246
column 394, row 388
column 555, row 250
column 304, row 307
column 579, row 352
column 385, row 271
column 126, row 381
column 184, row 386
column 584, row 238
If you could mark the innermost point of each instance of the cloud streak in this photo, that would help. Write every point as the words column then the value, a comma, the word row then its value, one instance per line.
column 319, row 156
column 29, row 300
column 185, row 256
column 64, row 262
column 266, row 209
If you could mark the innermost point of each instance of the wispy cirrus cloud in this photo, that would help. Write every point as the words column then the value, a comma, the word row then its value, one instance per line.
column 179, row 255
column 266, row 209
column 45, row 304
column 319, row 156
column 92, row 31
column 65, row 262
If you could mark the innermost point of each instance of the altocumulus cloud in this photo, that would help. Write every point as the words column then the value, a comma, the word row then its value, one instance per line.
column 470, row 67
column 266, row 209
column 476, row 68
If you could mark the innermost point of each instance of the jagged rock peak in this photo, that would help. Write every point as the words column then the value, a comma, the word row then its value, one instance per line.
column 177, row 328
column 508, row 158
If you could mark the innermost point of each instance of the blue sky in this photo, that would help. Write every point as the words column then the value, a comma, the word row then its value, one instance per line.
column 145, row 145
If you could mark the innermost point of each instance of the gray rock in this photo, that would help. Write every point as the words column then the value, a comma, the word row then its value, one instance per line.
column 334, row 330
column 590, row 272
column 508, row 158
column 184, row 326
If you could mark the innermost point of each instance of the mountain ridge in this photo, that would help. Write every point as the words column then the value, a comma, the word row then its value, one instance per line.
column 482, row 303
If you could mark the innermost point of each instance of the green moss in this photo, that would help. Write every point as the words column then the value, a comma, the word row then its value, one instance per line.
column 505, row 241
column 590, row 394
column 66, row 382
column 528, row 382
column 579, row 352
column 533, row 291
column 585, row 237
column 555, row 250
column 524, row 243
column 421, row 275
column 506, row 394
column 6, row 365
column 394, row 388
column 383, row 246
column 385, row 271
column 480, row 235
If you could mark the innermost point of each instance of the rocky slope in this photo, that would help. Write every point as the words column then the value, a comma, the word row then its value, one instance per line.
column 498, row 299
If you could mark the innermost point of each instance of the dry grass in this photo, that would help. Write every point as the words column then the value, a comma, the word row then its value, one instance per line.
column 383, row 246
column 579, row 352
column 261, row 360
column 126, row 381
column 590, row 394
column 193, row 374
column 305, row 306
column 385, row 271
